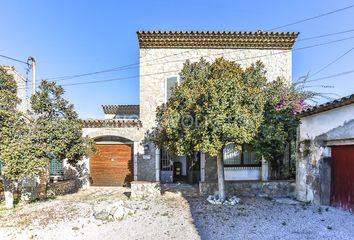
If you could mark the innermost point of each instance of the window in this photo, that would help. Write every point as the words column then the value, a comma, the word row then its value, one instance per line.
column 56, row 168
column 169, row 84
column 125, row 116
column 244, row 157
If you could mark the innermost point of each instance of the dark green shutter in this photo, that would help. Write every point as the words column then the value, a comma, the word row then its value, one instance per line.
column 56, row 167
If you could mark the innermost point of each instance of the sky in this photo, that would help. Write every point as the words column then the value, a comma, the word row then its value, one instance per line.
column 73, row 37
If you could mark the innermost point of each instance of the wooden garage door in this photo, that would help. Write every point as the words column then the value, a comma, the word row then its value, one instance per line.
column 342, row 186
column 112, row 165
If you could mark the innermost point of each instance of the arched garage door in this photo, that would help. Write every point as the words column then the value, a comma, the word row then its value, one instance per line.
column 342, row 189
column 112, row 164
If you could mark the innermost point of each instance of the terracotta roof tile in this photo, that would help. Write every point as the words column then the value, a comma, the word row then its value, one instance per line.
column 328, row 106
column 111, row 123
column 121, row 109
column 213, row 39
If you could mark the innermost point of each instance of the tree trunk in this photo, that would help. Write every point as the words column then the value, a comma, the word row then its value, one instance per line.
column 8, row 192
column 43, row 183
column 221, row 176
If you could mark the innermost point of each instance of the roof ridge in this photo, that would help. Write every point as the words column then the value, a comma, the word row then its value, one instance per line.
column 339, row 102
column 217, row 39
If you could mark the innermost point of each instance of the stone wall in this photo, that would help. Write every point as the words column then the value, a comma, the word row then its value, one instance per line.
column 169, row 62
column 143, row 189
column 62, row 187
column 158, row 64
column 251, row 188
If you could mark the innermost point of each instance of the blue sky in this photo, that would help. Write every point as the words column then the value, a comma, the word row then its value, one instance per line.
column 71, row 37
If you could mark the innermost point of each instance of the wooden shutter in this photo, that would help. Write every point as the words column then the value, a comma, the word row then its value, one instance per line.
column 170, row 83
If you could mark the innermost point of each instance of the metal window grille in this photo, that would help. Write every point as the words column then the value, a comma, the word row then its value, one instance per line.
column 56, row 167
column 166, row 161
column 231, row 155
column 243, row 157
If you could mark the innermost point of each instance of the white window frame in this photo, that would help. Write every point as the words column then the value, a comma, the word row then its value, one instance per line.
column 178, row 83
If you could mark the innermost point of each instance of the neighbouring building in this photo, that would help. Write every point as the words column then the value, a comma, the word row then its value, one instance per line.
column 21, row 82
column 325, row 162
column 121, row 136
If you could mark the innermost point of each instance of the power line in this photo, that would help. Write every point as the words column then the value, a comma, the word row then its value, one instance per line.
column 125, row 67
column 137, row 76
column 136, row 65
column 331, row 63
column 222, row 53
column 176, row 70
column 332, row 76
column 325, row 35
column 14, row 59
column 311, row 18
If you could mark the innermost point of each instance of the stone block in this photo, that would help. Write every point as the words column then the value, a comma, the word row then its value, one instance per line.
column 143, row 189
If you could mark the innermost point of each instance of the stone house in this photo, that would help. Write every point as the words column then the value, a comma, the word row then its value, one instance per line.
column 121, row 134
column 325, row 162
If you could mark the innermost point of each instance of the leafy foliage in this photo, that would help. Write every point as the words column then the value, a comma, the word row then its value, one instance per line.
column 52, row 131
column 57, row 130
column 280, row 124
column 216, row 104
column 15, row 145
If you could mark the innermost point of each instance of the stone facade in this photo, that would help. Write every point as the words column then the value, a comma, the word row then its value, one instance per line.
column 317, row 133
column 143, row 189
column 158, row 64
column 252, row 188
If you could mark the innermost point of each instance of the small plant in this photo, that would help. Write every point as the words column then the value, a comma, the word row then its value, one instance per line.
column 306, row 143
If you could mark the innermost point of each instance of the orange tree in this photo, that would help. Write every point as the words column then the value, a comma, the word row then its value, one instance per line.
column 218, row 103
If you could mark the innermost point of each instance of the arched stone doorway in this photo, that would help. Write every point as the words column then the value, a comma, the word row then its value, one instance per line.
column 113, row 163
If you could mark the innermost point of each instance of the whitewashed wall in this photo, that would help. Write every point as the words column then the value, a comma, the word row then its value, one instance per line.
column 317, row 124
column 335, row 125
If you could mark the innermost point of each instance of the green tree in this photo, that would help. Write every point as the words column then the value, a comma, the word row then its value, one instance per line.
column 15, row 145
column 56, row 131
column 218, row 103
column 281, row 121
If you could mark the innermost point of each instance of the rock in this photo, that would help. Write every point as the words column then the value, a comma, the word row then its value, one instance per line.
column 102, row 215
column 214, row 199
column 122, row 212
column 142, row 190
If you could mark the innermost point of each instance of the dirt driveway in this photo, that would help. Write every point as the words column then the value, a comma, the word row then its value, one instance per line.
column 179, row 214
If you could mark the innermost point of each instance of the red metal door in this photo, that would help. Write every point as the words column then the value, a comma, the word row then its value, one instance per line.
column 342, row 186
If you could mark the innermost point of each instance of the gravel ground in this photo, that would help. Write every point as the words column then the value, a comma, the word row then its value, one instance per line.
column 179, row 214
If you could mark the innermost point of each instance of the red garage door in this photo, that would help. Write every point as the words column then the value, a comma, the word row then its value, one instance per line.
column 112, row 165
column 342, row 190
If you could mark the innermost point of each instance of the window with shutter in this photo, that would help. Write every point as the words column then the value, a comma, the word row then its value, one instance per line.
column 244, row 157
column 170, row 83
column 56, row 168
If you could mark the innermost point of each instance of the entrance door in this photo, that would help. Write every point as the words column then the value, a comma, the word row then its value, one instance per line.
column 342, row 186
column 112, row 165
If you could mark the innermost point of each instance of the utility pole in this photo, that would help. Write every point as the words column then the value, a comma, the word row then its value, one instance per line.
column 33, row 74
